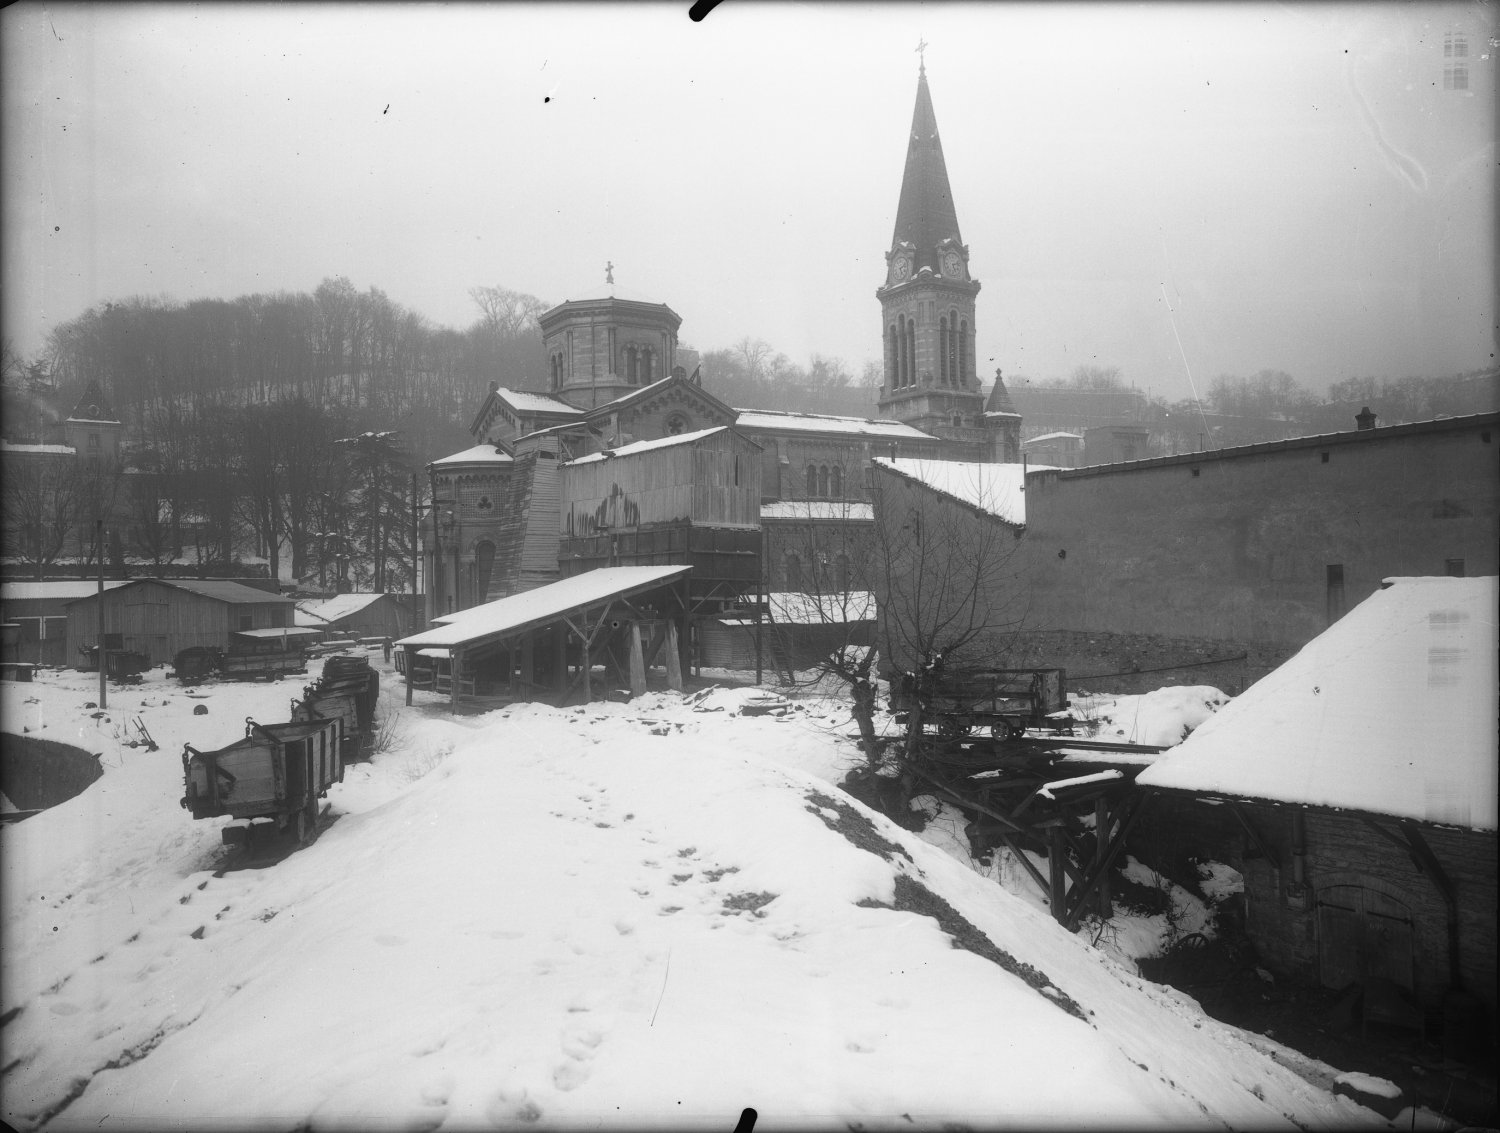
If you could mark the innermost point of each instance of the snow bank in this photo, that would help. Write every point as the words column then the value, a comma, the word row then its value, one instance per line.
column 622, row 915
column 1163, row 717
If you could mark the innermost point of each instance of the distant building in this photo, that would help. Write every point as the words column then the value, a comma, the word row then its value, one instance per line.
column 1060, row 450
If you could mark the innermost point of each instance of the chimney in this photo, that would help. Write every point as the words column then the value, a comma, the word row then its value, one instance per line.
column 1364, row 419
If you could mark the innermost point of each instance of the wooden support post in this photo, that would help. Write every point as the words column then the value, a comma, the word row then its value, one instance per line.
column 528, row 659
column 411, row 663
column 1101, row 847
column 637, row 661
column 453, row 665
column 560, row 661
column 674, row 658
column 1057, row 895
column 586, row 668
column 1135, row 806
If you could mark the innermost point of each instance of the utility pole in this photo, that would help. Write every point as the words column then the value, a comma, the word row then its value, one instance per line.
column 103, row 658
column 416, row 552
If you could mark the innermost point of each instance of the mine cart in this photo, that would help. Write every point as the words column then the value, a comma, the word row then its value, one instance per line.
column 263, row 654
column 277, row 771
column 348, row 690
column 195, row 663
column 1007, row 701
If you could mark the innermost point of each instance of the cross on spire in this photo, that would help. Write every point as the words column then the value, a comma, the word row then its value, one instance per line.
column 922, row 55
column 609, row 272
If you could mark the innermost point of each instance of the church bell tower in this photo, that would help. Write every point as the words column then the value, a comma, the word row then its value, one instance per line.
column 927, row 302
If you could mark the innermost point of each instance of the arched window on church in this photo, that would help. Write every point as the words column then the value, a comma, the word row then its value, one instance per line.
column 482, row 566
column 963, row 353
column 793, row 571
column 647, row 375
column 891, row 377
column 841, row 566
column 823, row 482
column 836, row 483
column 943, row 350
column 911, row 354
column 812, row 481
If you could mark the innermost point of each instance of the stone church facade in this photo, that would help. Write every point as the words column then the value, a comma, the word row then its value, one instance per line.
column 613, row 381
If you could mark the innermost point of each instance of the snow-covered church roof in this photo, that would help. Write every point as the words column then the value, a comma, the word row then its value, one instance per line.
column 1389, row 711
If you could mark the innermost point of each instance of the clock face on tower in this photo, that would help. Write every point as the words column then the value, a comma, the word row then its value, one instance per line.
column 902, row 267
column 953, row 264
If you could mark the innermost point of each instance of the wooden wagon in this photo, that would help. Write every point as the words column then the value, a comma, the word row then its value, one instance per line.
column 277, row 771
column 1007, row 701
column 349, row 690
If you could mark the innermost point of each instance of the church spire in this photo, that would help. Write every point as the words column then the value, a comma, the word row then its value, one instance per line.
column 926, row 222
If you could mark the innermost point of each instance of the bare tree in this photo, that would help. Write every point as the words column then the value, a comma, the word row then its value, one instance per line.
column 45, row 501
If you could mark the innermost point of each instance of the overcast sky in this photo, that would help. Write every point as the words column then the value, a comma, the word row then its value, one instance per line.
column 1178, row 190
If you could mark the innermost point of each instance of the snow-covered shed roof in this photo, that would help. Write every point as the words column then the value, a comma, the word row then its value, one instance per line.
column 544, row 604
column 638, row 447
column 998, row 489
column 790, row 607
column 1062, row 436
column 329, row 610
column 219, row 589
column 848, row 510
column 753, row 420
column 479, row 454
column 65, row 590
column 1389, row 711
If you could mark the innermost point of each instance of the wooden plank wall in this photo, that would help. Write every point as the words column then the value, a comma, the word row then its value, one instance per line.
column 691, row 482
column 160, row 621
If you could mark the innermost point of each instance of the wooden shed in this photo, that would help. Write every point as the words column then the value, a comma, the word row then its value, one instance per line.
column 159, row 618
column 1355, row 789
column 39, row 610
column 359, row 615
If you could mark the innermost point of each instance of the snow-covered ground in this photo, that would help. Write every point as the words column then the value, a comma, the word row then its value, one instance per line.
column 651, row 914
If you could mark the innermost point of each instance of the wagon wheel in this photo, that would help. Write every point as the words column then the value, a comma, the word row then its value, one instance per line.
column 1003, row 729
column 953, row 727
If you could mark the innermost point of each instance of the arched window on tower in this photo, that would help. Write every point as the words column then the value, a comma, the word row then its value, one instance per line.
column 647, row 367
column 812, row 481
column 891, row 377
column 911, row 355
column 836, row 483
column 952, row 348
column 963, row 353
column 943, row 350
column 823, row 482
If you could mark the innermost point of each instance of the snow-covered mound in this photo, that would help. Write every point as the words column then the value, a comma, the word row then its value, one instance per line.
column 1163, row 717
column 623, row 915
